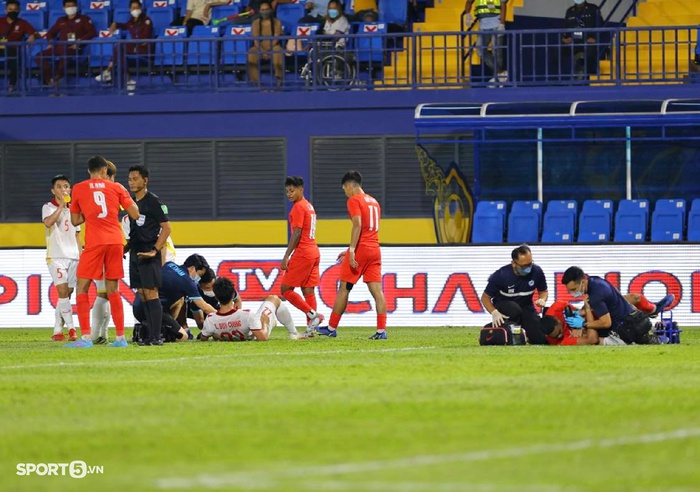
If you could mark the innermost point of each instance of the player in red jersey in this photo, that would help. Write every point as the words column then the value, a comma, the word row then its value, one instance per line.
column 302, row 269
column 96, row 203
column 364, row 256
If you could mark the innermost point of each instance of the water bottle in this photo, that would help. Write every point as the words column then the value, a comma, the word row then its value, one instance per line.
column 517, row 331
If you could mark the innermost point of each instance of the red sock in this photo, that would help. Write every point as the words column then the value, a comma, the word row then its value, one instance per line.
column 311, row 301
column 297, row 301
column 381, row 322
column 645, row 305
column 83, row 313
column 115, row 303
column 335, row 320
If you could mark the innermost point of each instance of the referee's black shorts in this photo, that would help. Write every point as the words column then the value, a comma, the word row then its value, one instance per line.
column 145, row 273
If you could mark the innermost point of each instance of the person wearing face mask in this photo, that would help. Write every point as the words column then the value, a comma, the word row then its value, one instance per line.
column 579, row 51
column 14, row 30
column 136, row 53
column 72, row 27
column 336, row 23
column 508, row 294
column 316, row 12
column 269, row 48
column 606, row 310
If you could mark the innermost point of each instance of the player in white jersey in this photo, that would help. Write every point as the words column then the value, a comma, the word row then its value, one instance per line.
column 236, row 325
column 62, row 253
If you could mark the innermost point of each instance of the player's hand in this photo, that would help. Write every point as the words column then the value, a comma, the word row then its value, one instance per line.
column 353, row 262
column 576, row 321
column 148, row 254
column 341, row 257
column 283, row 263
column 540, row 302
column 497, row 318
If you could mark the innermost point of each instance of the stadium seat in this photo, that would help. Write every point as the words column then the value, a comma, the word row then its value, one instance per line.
column 54, row 5
column 520, row 205
column 369, row 48
column 524, row 225
column 289, row 14
column 694, row 224
column 54, row 15
column 489, row 225
column 224, row 11
column 37, row 18
column 563, row 207
column 665, row 205
column 122, row 16
column 667, row 226
column 594, row 226
column 35, row 6
column 120, row 4
column 558, row 227
column 86, row 5
column 631, row 221
column 161, row 18
column 101, row 51
column 100, row 19
column 497, row 206
column 235, row 46
column 695, row 204
column 171, row 54
column 602, row 206
column 393, row 11
column 205, row 53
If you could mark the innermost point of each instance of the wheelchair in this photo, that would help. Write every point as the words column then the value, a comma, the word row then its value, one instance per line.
column 329, row 65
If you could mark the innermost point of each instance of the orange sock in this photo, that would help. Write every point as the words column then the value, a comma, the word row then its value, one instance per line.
column 297, row 301
column 115, row 303
column 381, row 322
column 335, row 320
column 645, row 305
column 83, row 302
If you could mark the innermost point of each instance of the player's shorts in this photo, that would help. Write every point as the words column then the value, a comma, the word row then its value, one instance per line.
column 271, row 310
column 302, row 272
column 102, row 261
column 63, row 271
column 369, row 266
column 145, row 273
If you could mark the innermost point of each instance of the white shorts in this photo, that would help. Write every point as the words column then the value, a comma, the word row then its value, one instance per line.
column 100, row 284
column 270, row 310
column 63, row 270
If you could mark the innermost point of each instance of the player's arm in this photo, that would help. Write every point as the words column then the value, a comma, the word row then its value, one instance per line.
column 50, row 220
column 203, row 305
column 132, row 211
column 76, row 219
column 207, row 332
column 354, row 238
column 602, row 323
column 176, row 306
column 486, row 301
column 259, row 327
column 293, row 243
column 542, row 299
column 79, row 242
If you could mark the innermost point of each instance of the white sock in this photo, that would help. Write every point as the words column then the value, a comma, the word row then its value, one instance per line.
column 66, row 311
column 285, row 317
column 100, row 317
column 57, row 322
column 311, row 314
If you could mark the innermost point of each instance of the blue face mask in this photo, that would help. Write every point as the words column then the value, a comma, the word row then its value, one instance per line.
column 579, row 292
column 524, row 271
column 196, row 278
column 333, row 13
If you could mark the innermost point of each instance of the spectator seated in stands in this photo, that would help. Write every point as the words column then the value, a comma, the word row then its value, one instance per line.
column 336, row 23
column 198, row 13
column 71, row 27
column 267, row 49
column 579, row 51
column 14, row 30
column 139, row 26
column 316, row 11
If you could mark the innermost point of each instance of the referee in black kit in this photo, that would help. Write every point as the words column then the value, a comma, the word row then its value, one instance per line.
column 147, row 238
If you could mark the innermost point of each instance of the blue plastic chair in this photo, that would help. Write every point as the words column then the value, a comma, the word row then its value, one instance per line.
column 122, row 16
column 371, row 49
column 534, row 205
column 673, row 204
column 694, row 224
column 667, row 226
column 488, row 226
column 161, row 18
column 102, row 50
column 523, row 226
column 100, row 19
column 563, row 207
column 235, row 45
column 86, row 5
column 558, row 227
column 393, row 11
column 37, row 18
column 289, row 14
column 631, row 221
column 599, row 206
column 204, row 54
column 594, row 226
column 171, row 52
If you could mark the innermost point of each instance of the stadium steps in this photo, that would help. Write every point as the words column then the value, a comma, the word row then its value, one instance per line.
column 440, row 56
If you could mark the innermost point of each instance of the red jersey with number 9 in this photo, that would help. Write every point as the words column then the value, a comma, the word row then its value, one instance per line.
column 99, row 200
column 368, row 209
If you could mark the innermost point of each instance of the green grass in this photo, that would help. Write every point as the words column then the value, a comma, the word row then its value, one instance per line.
column 426, row 410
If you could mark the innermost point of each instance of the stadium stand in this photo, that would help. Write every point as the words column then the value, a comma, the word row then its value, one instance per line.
column 667, row 221
column 595, row 221
column 631, row 221
column 489, row 222
column 524, row 222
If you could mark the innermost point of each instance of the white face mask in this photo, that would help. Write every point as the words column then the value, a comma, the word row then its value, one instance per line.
column 208, row 293
column 196, row 278
column 136, row 13
column 579, row 2
column 71, row 10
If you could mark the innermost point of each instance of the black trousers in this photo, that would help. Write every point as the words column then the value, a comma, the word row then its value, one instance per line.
column 525, row 317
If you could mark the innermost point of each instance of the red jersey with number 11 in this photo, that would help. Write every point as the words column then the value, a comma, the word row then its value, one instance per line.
column 368, row 209
column 99, row 200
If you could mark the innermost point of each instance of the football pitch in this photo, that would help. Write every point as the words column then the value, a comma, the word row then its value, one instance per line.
column 426, row 410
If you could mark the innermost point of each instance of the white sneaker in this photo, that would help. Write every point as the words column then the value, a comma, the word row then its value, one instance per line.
column 105, row 76
column 131, row 85
column 314, row 322
column 613, row 339
column 294, row 336
column 307, row 334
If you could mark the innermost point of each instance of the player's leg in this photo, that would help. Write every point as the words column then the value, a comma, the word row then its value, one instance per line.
column 298, row 270
column 100, row 314
column 372, row 274
column 59, row 274
column 90, row 267
column 348, row 279
column 308, row 288
column 284, row 316
column 114, row 272
column 150, row 275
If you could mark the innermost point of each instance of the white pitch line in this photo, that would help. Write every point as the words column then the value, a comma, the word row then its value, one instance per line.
column 216, row 356
column 267, row 479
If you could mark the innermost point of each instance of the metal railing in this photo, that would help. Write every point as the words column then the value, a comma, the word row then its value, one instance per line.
column 609, row 56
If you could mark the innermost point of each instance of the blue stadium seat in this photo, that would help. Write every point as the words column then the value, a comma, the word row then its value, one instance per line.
column 558, row 227
column 54, row 15
column 594, row 226
column 289, row 14
column 694, row 223
column 171, row 54
column 54, row 4
column 563, row 207
column 122, row 16
column 224, row 11
column 524, row 225
column 101, row 50
column 603, row 206
column 695, row 204
column 34, row 6
column 489, row 225
column 235, row 46
column 631, row 221
column 666, row 205
column 100, row 18
column 371, row 49
column 536, row 206
column 151, row 5
column 667, row 225
column 120, row 4
column 496, row 206
column 205, row 53
column 393, row 11
column 161, row 18
column 86, row 5
column 37, row 18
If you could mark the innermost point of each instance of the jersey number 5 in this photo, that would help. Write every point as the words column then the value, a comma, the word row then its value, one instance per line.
column 373, row 218
column 100, row 200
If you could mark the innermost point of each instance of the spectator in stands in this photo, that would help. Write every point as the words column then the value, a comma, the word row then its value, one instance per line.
column 139, row 26
column 580, row 50
column 267, row 49
column 71, row 27
column 336, row 23
column 491, row 15
column 316, row 11
column 14, row 30
column 198, row 13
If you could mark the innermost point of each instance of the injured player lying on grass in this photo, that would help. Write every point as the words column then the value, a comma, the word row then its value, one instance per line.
column 236, row 325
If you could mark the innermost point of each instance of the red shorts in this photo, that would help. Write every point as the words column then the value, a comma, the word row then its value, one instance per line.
column 302, row 272
column 102, row 260
column 369, row 266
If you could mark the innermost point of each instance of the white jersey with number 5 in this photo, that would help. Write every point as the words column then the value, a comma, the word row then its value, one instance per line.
column 238, row 325
column 60, row 237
